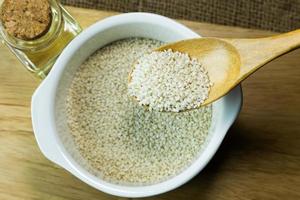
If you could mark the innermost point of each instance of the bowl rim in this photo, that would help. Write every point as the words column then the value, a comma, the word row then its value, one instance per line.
column 51, row 146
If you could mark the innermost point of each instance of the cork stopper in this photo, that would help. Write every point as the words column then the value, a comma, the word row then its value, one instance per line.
column 26, row 19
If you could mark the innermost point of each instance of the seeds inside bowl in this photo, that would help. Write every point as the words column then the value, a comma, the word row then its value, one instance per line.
column 169, row 81
column 123, row 142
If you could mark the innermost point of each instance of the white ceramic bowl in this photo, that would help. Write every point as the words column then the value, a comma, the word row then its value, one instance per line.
column 48, row 111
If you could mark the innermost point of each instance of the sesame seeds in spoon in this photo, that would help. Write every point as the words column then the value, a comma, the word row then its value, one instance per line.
column 169, row 81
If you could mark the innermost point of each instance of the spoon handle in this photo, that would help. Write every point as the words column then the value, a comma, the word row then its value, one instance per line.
column 255, row 53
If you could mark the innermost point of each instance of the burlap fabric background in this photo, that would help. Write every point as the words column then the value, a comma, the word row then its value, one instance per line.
column 276, row 15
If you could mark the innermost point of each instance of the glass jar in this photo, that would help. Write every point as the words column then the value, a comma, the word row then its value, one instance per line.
column 39, row 55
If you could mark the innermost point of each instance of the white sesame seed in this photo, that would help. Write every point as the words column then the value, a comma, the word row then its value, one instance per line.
column 119, row 139
column 169, row 81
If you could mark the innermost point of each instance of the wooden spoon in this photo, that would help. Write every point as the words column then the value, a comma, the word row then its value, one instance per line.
column 230, row 61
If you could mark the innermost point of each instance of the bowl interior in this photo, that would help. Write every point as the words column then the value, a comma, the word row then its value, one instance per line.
column 86, row 44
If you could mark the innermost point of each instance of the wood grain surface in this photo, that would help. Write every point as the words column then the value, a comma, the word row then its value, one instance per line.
column 259, row 158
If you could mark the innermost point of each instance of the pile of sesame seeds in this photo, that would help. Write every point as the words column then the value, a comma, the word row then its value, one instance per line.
column 124, row 142
column 169, row 81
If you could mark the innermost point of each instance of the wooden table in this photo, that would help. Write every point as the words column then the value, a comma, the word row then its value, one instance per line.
column 259, row 159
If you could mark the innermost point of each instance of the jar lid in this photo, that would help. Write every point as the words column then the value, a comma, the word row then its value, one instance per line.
column 31, row 38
